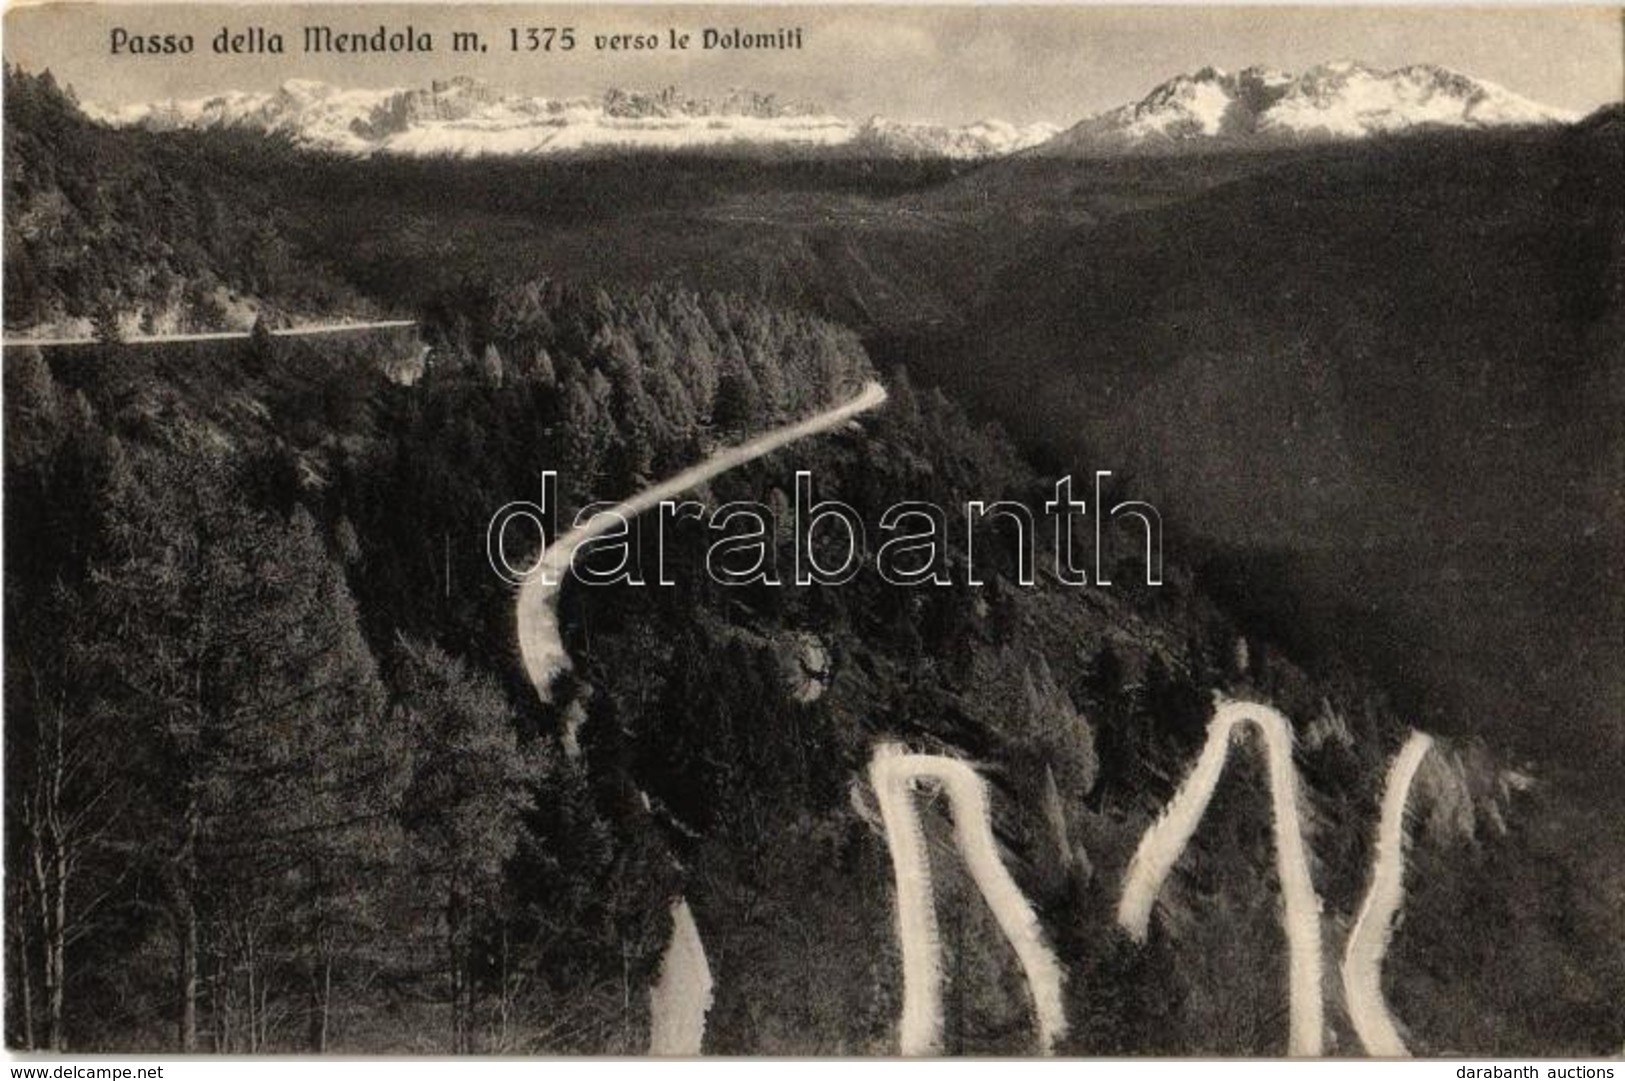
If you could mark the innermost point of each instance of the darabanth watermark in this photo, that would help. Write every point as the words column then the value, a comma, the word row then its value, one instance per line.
column 832, row 544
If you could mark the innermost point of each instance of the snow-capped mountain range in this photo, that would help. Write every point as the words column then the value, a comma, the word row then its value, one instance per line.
column 464, row 117
column 1340, row 100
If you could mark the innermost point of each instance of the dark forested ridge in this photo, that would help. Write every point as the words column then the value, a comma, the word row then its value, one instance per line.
column 193, row 230
column 276, row 780
column 169, row 233
column 1342, row 369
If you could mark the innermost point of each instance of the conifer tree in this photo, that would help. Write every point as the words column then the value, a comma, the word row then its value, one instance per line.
column 231, row 651
column 464, row 804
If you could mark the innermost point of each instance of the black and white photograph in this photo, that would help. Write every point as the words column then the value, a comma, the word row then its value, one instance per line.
column 813, row 531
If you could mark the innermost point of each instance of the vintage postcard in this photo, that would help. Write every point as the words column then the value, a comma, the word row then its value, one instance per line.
column 802, row 530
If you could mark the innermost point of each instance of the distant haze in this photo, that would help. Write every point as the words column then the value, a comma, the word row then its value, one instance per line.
column 946, row 64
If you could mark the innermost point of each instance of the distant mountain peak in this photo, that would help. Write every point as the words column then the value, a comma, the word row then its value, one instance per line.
column 306, row 88
column 463, row 116
column 1338, row 99
column 1344, row 66
column 738, row 101
column 466, row 117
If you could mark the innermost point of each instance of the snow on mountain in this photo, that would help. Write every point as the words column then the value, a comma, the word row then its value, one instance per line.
column 1339, row 100
column 464, row 117
column 309, row 111
column 983, row 139
column 1350, row 100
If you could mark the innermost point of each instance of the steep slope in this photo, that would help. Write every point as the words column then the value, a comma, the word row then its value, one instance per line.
column 1361, row 352
column 1350, row 368
column 169, row 233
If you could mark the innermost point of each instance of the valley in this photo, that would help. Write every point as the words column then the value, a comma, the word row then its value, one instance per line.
column 1371, row 377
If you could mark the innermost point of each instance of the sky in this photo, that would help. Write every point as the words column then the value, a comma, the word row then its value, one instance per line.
column 934, row 63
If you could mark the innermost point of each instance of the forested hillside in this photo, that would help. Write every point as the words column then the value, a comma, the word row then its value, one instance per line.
column 166, row 233
column 277, row 780
column 1339, row 370
column 263, row 725
column 281, row 775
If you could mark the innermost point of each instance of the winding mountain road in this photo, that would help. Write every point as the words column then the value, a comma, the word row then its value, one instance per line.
column 1167, row 838
column 681, row 995
column 541, row 643
column 1374, row 928
column 893, row 774
column 226, row 335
